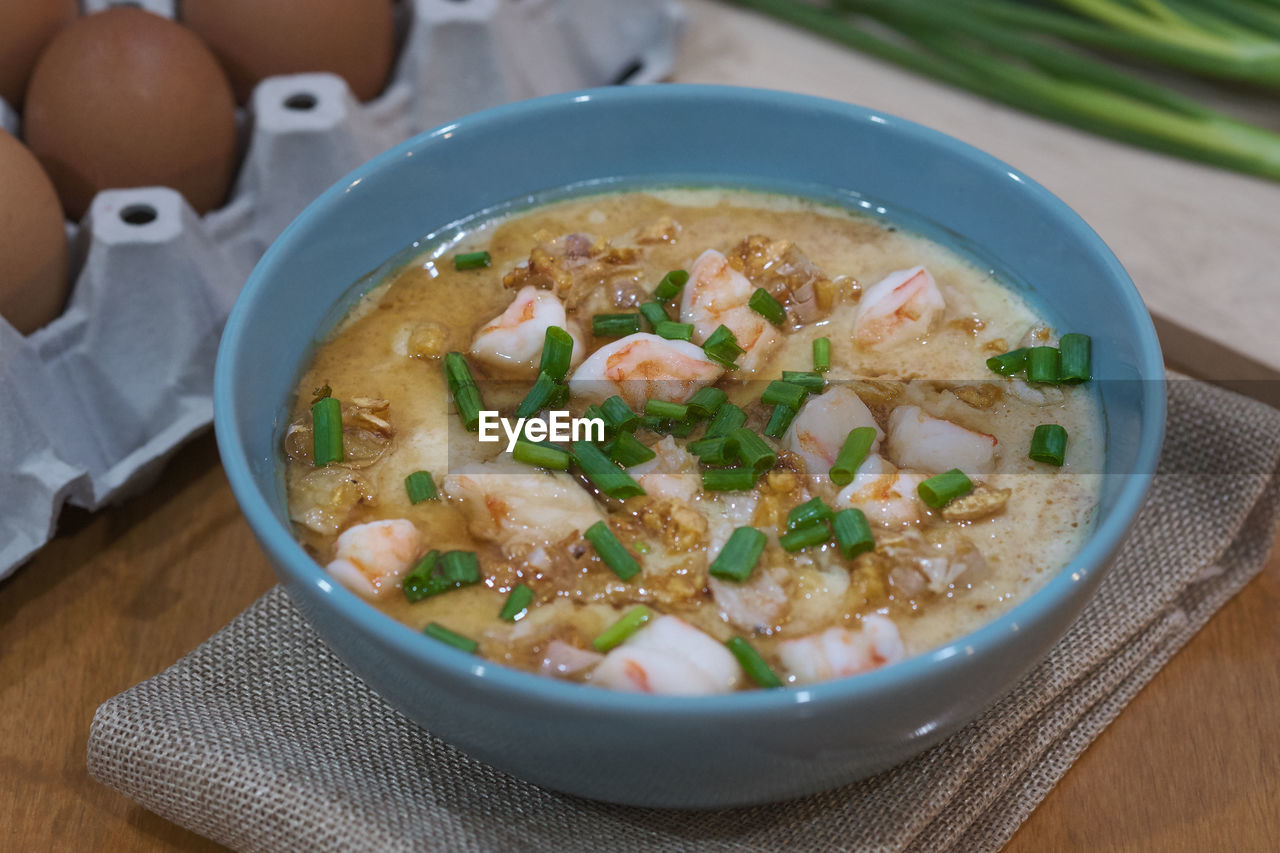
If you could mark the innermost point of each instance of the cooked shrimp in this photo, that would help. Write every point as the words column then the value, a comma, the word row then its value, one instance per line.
column 756, row 605
column 514, row 338
column 901, row 306
column 508, row 503
column 672, row 473
column 885, row 495
column 368, row 558
column 644, row 366
column 921, row 441
column 717, row 294
column 669, row 656
column 838, row 652
column 823, row 424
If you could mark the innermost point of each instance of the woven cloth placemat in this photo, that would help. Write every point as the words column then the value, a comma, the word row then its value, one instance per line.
column 261, row 739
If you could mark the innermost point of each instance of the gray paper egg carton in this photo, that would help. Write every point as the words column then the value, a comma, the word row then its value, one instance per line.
column 96, row 402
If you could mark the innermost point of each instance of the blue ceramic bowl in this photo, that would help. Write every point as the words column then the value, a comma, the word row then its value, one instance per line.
column 747, row 747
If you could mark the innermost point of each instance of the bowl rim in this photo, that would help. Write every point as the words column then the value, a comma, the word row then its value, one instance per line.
column 294, row 565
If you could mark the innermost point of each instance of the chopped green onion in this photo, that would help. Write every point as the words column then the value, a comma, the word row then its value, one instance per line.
column 438, row 573
column 852, row 454
column 822, row 354
column 1049, row 444
column 752, row 664
column 627, row 450
column 726, row 419
column 438, row 632
column 752, row 450
column 420, row 487
column 722, row 347
column 326, row 431
column 779, row 421
column 674, row 331
column 810, row 380
column 518, row 601
column 618, row 415
column 679, row 429
column 780, row 393
column 539, row 396
column 615, row 325
column 541, row 455
column 853, row 533
column 471, row 260
column 1075, row 358
column 654, row 313
column 1010, row 363
column 707, row 402
column 665, row 409
column 671, row 285
column 603, row 473
column 737, row 559
column 611, row 552
column 1042, row 365
column 557, row 352
column 940, row 489
column 466, row 394
column 810, row 512
column 712, row 451
column 728, row 479
column 767, row 307
column 595, row 413
column 633, row 620
column 805, row 537
column 417, row 585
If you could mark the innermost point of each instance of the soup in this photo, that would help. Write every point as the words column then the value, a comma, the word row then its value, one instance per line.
column 693, row 441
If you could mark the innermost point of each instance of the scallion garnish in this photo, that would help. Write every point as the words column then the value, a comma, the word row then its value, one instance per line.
column 706, row 402
column 1042, row 365
column 940, row 489
column 780, row 393
column 1075, row 362
column 810, row 512
column 1010, row 363
column 822, row 354
column 674, row 331
column 711, row 451
column 615, row 325
column 541, row 455
column 654, row 314
column 611, row 552
column 603, row 473
column 1049, row 444
column 752, row 664
column 557, row 352
column 853, row 533
column 633, row 620
column 618, row 415
column 540, row 396
column 809, row 379
column 728, row 479
column 420, row 487
column 671, row 285
column 471, row 260
column 752, row 451
column 737, row 559
column 627, row 450
column 726, row 419
column 326, row 431
column 767, row 307
column 852, row 454
column 779, row 421
column 465, row 391
column 437, row 573
column 722, row 347
column 518, row 601
column 438, row 632
column 805, row 537
column 666, row 409
column 416, row 584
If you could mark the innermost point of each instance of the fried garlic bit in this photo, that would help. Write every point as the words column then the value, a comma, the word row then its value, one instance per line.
column 983, row 501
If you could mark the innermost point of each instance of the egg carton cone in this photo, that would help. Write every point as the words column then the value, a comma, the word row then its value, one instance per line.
column 98, row 400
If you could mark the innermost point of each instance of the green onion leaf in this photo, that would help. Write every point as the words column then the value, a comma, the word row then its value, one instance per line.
column 752, row 450
column 633, row 620
column 539, row 396
column 1042, row 365
column 671, row 285
column 812, row 511
column 603, row 473
column 618, row 415
column 665, row 409
column 722, row 347
column 706, row 402
column 518, row 601
column 654, row 314
column 611, row 552
column 737, row 559
column 805, row 537
column 728, row 479
column 852, row 454
column 726, row 419
column 471, row 260
column 780, row 393
column 1075, row 358
column 541, row 455
column 712, row 451
column 779, row 421
column 1010, row 363
column 326, row 431
column 853, row 533
column 1049, row 444
column 822, row 354
column 438, row 632
column 752, row 664
column 810, row 380
column 462, row 385
column 674, row 331
column 628, row 451
column 615, row 325
column 767, row 307
column 557, row 352
column 421, row 487
column 438, row 573
column 941, row 489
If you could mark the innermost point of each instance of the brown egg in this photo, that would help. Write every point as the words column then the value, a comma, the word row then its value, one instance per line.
column 125, row 98
column 25, row 27
column 33, row 241
column 253, row 39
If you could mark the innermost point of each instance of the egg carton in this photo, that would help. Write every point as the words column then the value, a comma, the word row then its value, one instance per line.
column 96, row 402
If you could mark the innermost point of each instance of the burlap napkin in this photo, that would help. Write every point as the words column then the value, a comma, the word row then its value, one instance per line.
column 262, row 740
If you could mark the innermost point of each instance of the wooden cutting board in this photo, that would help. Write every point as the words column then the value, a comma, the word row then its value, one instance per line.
column 1202, row 244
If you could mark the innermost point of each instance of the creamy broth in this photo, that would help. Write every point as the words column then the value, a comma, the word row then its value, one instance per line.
column 933, row 574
